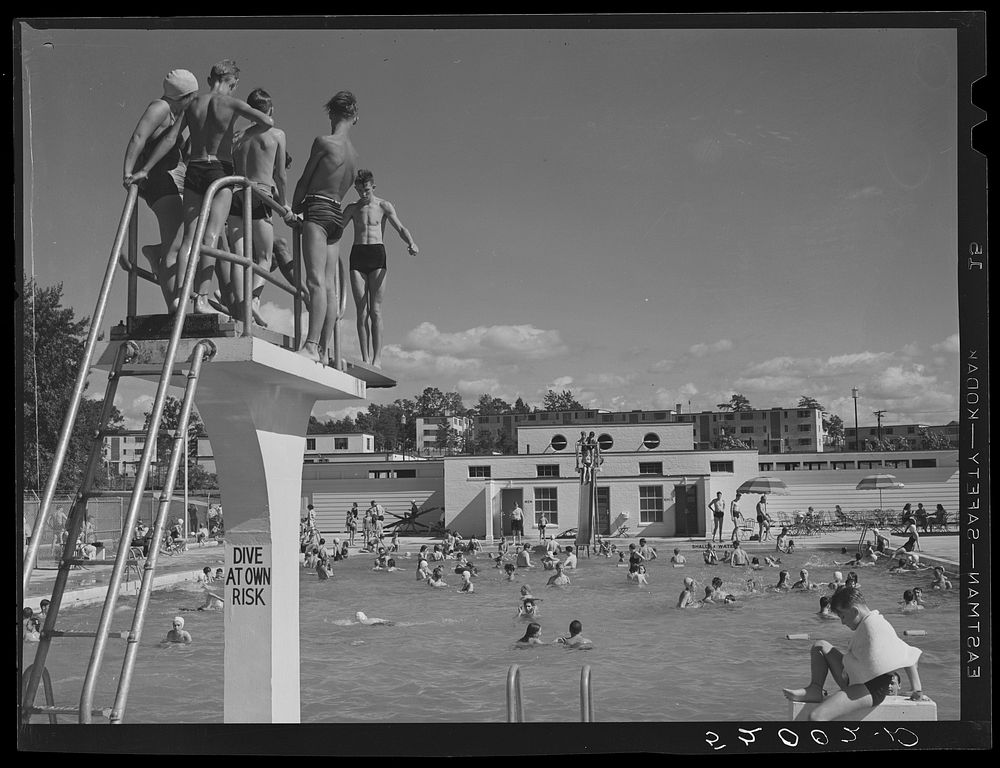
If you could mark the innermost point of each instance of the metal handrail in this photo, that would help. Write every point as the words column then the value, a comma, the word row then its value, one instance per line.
column 78, row 389
column 202, row 350
column 515, row 703
column 49, row 695
column 586, row 696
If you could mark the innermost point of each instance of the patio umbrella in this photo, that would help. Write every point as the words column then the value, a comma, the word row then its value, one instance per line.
column 764, row 484
column 877, row 483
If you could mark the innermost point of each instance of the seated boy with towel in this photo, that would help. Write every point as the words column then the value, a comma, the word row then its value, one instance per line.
column 865, row 672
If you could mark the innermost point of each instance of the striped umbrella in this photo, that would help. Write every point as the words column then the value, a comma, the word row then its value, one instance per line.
column 877, row 483
column 764, row 484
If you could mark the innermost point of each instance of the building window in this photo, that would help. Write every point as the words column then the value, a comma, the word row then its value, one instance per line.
column 814, row 464
column 340, row 443
column 660, row 415
column 532, row 417
column 889, row 431
column 310, row 443
column 480, row 471
column 607, row 418
column 547, row 470
column 765, row 466
column 805, row 441
column 731, row 416
column 804, row 414
column 651, row 440
column 406, row 473
column 379, row 474
column 558, row 443
column 746, row 416
column 746, row 430
column 605, row 442
column 897, row 463
column 721, row 466
column 923, row 463
column 650, row 503
column 911, row 430
column 546, row 502
column 805, row 427
column 650, row 467
column 869, row 464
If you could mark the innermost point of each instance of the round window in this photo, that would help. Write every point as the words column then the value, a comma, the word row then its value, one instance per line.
column 651, row 440
column 605, row 442
column 558, row 443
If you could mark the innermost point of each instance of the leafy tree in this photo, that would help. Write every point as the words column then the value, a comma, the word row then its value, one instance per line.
column 169, row 423
column 520, row 406
column 53, row 346
column 489, row 406
column 433, row 402
column 731, row 443
column 560, row 401
column 834, row 427
column 810, row 402
column 447, row 438
column 933, row 441
column 737, row 403
column 385, row 422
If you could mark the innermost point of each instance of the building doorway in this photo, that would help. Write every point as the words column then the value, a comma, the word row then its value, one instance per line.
column 508, row 498
column 603, row 522
column 687, row 521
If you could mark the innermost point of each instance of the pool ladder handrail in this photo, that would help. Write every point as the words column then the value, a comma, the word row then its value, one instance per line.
column 515, row 699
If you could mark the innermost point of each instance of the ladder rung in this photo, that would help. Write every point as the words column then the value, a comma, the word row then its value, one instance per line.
column 66, row 709
column 150, row 370
column 75, row 561
column 73, row 633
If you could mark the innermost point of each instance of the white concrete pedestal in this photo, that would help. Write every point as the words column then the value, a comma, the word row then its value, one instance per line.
column 894, row 708
column 255, row 399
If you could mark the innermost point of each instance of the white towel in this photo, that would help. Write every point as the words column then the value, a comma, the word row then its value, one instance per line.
column 875, row 650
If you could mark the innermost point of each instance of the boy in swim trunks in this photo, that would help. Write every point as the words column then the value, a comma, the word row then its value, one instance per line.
column 210, row 119
column 370, row 215
column 326, row 178
column 865, row 672
column 259, row 154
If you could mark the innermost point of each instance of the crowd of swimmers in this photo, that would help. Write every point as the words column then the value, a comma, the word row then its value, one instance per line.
column 185, row 141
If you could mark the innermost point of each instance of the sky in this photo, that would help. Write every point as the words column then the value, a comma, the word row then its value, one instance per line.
column 645, row 217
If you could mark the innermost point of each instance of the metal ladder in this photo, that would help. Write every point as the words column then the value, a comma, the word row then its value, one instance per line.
column 515, row 700
column 37, row 672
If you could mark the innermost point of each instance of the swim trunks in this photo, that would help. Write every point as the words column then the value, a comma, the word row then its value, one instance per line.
column 258, row 211
column 326, row 212
column 517, row 526
column 367, row 258
column 910, row 544
column 201, row 174
column 879, row 688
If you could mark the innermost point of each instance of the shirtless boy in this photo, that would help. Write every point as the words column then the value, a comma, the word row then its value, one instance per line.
column 370, row 215
column 259, row 154
column 326, row 178
column 210, row 119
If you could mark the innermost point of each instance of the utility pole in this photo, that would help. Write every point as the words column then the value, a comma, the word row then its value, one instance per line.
column 857, row 434
column 879, row 415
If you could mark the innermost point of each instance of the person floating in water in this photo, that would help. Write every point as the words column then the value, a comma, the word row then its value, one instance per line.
column 575, row 638
column 371, row 622
column 178, row 634
column 368, row 261
column 865, row 672
column 326, row 178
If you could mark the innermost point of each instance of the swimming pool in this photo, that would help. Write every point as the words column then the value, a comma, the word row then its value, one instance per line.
column 446, row 657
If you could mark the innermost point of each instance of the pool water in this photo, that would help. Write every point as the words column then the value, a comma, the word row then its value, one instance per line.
column 446, row 657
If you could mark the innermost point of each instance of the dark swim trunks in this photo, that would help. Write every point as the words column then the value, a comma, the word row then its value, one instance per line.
column 201, row 174
column 228, row 167
column 367, row 258
column 258, row 210
column 326, row 212
column 878, row 687
column 159, row 182
column 910, row 544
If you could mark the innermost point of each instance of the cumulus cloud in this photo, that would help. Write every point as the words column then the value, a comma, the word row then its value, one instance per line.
column 701, row 350
column 477, row 387
column 769, row 383
column 280, row 319
column 510, row 341
column 562, row 382
column 351, row 411
column 661, row 366
column 948, row 345
column 420, row 363
column 668, row 397
column 865, row 193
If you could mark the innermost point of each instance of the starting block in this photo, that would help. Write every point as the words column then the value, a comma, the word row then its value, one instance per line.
column 893, row 709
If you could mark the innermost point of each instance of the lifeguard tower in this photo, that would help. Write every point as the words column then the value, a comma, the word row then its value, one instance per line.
column 254, row 393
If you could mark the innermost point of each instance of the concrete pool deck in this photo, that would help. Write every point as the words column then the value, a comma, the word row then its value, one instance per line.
column 88, row 585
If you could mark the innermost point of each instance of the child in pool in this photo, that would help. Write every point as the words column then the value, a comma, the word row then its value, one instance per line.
column 838, row 580
column 621, row 560
column 391, row 565
column 824, row 609
column 910, row 603
column 436, row 553
column 783, row 582
column 511, row 571
column 677, row 560
column 710, row 556
column 603, row 547
column 803, row 582
column 918, row 595
column 687, row 598
column 772, row 562
column 570, row 561
column 528, row 609
column 790, row 548
column 940, row 579
column 532, row 635
column 713, row 592
column 729, row 599
column 394, row 544
column 755, row 564
column 467, row 585
column 423, row 571
column 436, row 579
column 575, row 638
column 864, row 672
column 178, row 634
column 640, row 576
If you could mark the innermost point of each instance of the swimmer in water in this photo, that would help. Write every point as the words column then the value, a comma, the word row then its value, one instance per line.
column 532, row 635
column 918, row 595
column 910, row 603
column 713, row 591
column 528, row 608
column 391, row 565
column 687, row 599
column 772, row 562
column 755, row 564
column 783, row 582
column 511, row 571
column 423, row 570
column 677, row 560
column 838, row 580
column 621, row 560
column 467, row 585
column 560, row 579
column 940, row 579
column 212, row 602
column 824, row 610
column 178, row 634
column 803, row 582
column 729, row 599
column 363, row 619
column 436, row 579
column 710, row 555
column 640, row 575
column 575, row 639
column 570, row 558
